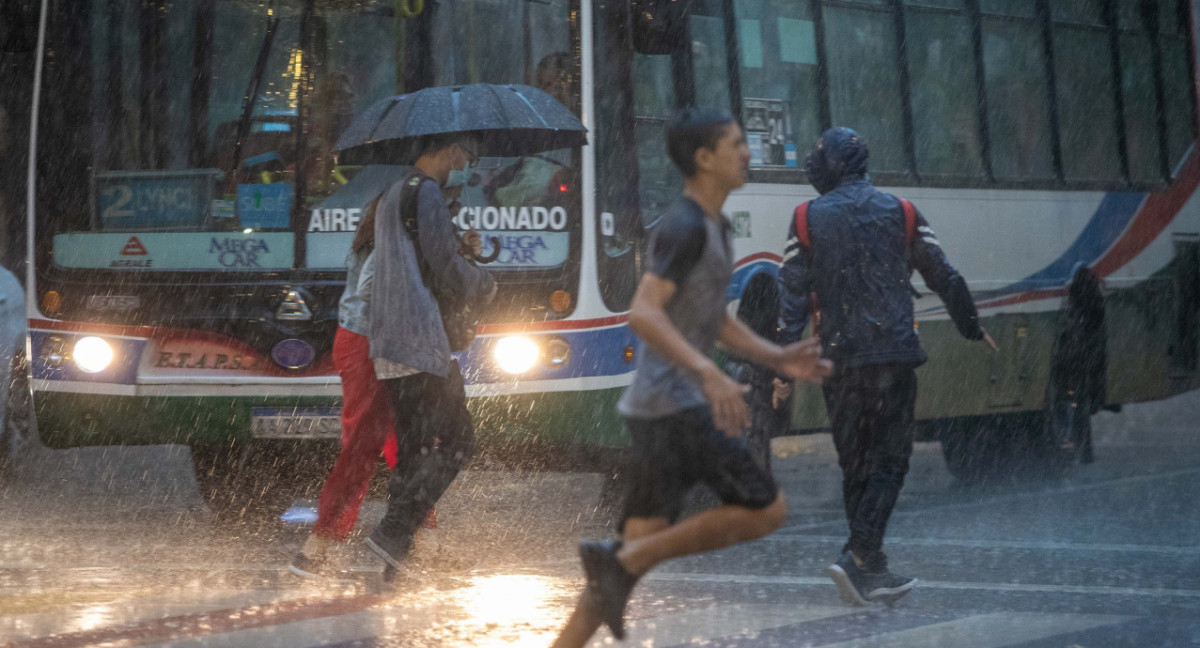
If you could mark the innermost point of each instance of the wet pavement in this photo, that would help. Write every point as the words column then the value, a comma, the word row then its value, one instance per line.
column 1108, row 556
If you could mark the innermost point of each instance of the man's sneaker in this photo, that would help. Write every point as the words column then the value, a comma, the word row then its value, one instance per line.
column 306, row 566
column 608, row 582
column 393, row 552
column 886, row 587
column 850, row 580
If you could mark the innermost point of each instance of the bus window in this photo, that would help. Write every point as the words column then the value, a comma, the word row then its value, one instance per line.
column 1170, row 20
column 710, row 67
column 484, row 41
column 1084, row 85
column 1017, row 8
column 864, row 80
column 936, row 4
column 653, row 105
column 944, row 91
column 1090, row 12
column 617, row 205
column 1018, row 102
column 1141, row 107
column 1177, row 90
column 778, row 67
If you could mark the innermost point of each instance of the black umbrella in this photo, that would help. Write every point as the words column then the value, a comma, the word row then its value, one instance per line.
column 511, row 120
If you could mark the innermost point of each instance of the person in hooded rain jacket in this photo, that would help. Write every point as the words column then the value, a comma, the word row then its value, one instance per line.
column 855, row 261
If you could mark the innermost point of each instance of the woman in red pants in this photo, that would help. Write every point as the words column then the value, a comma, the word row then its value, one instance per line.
column 367, row 419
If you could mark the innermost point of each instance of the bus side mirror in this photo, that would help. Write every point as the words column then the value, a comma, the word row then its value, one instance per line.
column 19, row 25
column 659, row 26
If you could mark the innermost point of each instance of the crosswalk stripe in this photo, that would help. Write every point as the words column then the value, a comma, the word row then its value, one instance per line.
column 312, row 633
column 986, row 631
column 925, row 584
column 695, row 626
column 991, row 501
column 1000, row 544
column 123, row 611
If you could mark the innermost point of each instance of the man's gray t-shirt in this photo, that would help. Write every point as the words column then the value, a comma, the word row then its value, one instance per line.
column 693, row 252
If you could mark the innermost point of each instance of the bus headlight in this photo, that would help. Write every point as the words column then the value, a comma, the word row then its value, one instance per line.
column 516, row 354
column 92, row 354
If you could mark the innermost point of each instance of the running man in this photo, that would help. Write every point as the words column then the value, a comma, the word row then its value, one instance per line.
column 685, row 416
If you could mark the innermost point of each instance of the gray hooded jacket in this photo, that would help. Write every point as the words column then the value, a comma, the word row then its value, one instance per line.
column 405, row 324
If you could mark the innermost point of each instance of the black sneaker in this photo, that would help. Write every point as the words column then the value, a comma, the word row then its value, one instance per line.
column 393, row 552
column 306, row 566
column 609, row 584
column 850, row 580
column 886, row 587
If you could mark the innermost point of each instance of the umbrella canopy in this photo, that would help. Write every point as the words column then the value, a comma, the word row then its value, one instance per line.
column 511, row 120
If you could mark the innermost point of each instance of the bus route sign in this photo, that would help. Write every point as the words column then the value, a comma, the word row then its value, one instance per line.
column 153, row 200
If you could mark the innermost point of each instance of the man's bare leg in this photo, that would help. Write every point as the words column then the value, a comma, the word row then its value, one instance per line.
column 716, row 528
column 584, row 622
column 649, row 541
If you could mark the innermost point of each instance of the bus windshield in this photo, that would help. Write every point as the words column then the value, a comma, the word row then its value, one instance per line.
column 193, row 138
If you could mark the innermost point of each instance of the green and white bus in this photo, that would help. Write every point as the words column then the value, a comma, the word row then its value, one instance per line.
column 188, row 219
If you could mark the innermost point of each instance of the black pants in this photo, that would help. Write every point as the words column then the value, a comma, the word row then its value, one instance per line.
column 871, row 415
column 435, row 438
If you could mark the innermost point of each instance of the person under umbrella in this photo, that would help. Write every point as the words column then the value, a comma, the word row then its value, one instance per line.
column 423, row 284
column 409, row 346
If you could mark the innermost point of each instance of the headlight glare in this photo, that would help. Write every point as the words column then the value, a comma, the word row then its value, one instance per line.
column 516, row 354
column 92, row 354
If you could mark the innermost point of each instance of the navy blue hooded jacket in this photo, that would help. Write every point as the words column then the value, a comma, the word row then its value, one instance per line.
column 858, row 265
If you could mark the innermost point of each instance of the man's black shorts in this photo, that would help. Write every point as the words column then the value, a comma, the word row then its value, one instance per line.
column 669, row 455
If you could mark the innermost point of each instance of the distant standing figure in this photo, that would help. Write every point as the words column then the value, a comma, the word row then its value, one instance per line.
column 853, row 250
column 1079, row 365
column 769, row 415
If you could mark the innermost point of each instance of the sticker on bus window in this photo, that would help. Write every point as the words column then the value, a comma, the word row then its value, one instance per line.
column 527, row 250
column 768, row 125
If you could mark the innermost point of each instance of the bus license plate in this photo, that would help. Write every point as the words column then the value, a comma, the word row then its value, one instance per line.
column 293, row 423
column 113, row 302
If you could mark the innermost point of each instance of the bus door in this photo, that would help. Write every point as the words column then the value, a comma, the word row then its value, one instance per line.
column 1013, row 365
column 1185, row 335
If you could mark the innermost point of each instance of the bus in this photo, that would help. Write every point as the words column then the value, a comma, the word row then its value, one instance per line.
column 188, row 220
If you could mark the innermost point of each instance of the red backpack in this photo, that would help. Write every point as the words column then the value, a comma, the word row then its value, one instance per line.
column 801, row 220
column 910, row 222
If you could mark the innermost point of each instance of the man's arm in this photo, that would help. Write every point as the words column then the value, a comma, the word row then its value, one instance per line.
column 799, row 360
column 929, row 259
column 795, row 288
column 648, row 319
column 440, row 246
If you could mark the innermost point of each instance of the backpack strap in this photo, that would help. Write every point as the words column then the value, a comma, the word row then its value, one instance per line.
column 910, row 221
column 801, row 220
column 409, row 217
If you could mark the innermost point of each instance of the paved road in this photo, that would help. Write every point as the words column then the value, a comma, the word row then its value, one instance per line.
column 1108, row 557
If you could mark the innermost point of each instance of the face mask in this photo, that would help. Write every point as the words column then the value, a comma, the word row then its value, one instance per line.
column 458, row 177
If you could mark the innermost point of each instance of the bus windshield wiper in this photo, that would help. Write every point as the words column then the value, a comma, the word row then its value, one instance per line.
column 260, row 68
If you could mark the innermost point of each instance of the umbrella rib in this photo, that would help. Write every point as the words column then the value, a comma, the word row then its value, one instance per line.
column 532, row 109
column 382, row 118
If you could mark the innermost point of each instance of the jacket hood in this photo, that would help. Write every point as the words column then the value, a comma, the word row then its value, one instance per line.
column 839, row 153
